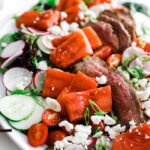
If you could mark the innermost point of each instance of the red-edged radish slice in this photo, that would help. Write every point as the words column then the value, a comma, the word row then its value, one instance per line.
column 143, row 65
column 132, row 52
column 39, row 79
column 46, row 40
column 91, row 141
column 42, row 47
column 2, row 88
column 36, row 31
column 11, row 59
column 105, row 140
column 17, row 78
column 12, row 48
column 74, row 147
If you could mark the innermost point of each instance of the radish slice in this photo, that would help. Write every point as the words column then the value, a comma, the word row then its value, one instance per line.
column 145, row 65
column 39, row 79
column 11, row 59
column 132, row 52
column 17, row 78
column 2, row 88
column 42, row 47
column 92, row 141
column 74, row 147
column 36, row 31
column 46, row 40
column 12, row 48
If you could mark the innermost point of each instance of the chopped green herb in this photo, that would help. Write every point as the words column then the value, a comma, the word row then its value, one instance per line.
column 36, row 92
column 88, row 1
column 142, row 43
column 87, row 116
column 139, row 71
column 133, row 72
column 134, row 52
column 93, row 105
column 101, row 145
column 20, row 92
column 16, row 17
column 34, row 61
column 98, row 134
column 126, row 62
column 114, row 117
column 133, row 81
column 97, row 129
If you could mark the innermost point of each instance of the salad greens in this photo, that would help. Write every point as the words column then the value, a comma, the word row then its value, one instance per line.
column 135, row 7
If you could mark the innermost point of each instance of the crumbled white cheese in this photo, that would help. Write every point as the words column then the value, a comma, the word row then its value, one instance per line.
column 74, row 27
column 109, row 121
column 115, row 130
column 56, row 30
column 101, row 80
column 143, row 95
column 42, row 65
column 59, row 145
column 63, row 15
column 4, row 44
column 65, row 142
column 21, row 82
column 132, row 124
column 65, row 27
column 84, row 129
column 105, row 141
column 81, row 15
column 138, row 62
column 39, row 53
column 143, row 82
column 53, row 104
column 96, row 119
column 68, row 126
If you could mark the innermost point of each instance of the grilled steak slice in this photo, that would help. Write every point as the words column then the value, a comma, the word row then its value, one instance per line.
column 125, row 102
column 119, row 29
column 124, row 18
column 106, row 34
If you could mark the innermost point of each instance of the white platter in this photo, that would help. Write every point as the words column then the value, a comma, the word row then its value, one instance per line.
column 7, row 25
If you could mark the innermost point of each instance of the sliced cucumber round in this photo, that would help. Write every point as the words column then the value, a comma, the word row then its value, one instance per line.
column 17, row 107
column 26, row 124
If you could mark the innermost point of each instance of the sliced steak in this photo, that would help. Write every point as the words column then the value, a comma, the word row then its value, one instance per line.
column 106, row 33
column 125, row 19
column 119, row 29
column 125, row 102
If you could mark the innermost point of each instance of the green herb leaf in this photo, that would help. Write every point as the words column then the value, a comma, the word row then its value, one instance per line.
column 36, row 92
column 139, row 71
column 97, row 129
column 114, row 117
column 87, row 116
column 126, row 62
column 20, row 92
column 98, row 134
column 34, row 61
column 38, row 8
column 133, row 72
column 94, row 105
column 16, row 17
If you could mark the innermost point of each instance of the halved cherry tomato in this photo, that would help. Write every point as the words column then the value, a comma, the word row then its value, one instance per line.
column 50, row 117
column 114, row 60
column 55, row 135
column 103, row 52
column 101, row 125
column 37, row 134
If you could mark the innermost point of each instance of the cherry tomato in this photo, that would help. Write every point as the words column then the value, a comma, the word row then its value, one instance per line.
column 114, row 60
column 101, row 125
column 103, row 52
column 55, row 135
column 105, row 1
column 37, row 134
column 143, row 44
column 50, row 117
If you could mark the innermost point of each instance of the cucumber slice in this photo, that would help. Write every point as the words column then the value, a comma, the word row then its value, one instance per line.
column 17, row 107
column 26, row 124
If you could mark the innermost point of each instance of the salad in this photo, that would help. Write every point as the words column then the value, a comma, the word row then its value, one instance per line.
column 76, row 75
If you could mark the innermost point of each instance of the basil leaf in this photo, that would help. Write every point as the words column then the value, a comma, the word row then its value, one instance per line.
column 87, row 116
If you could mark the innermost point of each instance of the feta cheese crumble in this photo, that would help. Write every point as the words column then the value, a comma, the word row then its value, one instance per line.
column 84, row 129
column 109, row 121
column 21, row 82
column 96, row 119
column 132, row 124
column 68, row 126
column 42, row 65
column 53, row 104
column 63, row 15
column 101, row 80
